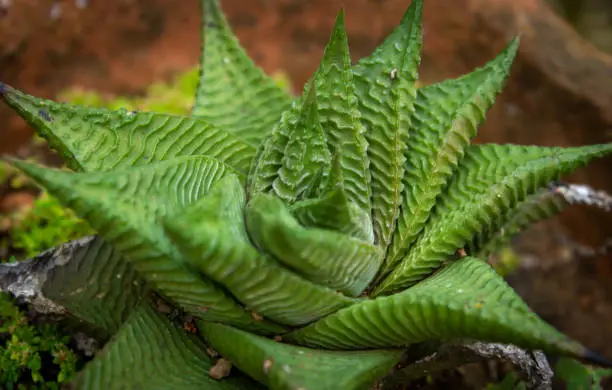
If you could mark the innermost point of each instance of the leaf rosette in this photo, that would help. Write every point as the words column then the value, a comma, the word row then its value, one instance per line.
column 314, row 238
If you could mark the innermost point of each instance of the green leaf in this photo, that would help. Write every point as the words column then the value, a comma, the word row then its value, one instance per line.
column 466, row 299
column 446, row 118
column 323, row 256
column 577, row 376
column 341, row 120
column 538, row 207
column 234, row 93
column 334, row 211
column 283, row 367
column 269, row 158
column 492, row 180
column 97, row 286
column 93, row 139
column 305, row 154
column 219, row 247
column 124, row 207
column 385, row 88
column 149, row 352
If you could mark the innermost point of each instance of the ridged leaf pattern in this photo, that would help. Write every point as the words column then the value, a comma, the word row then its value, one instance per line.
column 538, row 207
column 466, row 299
column 219, row 247
column 325, row 257
column 94, row 139
column 446, row 117
column 333, row 210
column 340, row 118
column 269, row 158
column 491, row 180
column 385, row 90
column 124, row 206
column 234, row 93
column 112, row 289
column 149, row 352
column 281, row 366
column 336, row 221
column 306, row 156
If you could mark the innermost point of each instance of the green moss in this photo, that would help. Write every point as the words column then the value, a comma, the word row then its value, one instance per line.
column 24, row 348
column 175, row 97
column 45, row 225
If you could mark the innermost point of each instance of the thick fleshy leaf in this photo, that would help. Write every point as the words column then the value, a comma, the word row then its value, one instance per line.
column 386, row 90
column 219, row 247
column 233, row 92
column 306, row 154
column 93, row 139
column 334, row 211
column 341, row 121
column 323, row 256
column 537, row 207
column 269, row 158
column 466, row 299
column 446, row 118
column 124, row 207
column 149, row 352
column 492, row 180
column 283, row 367
column 97, row 285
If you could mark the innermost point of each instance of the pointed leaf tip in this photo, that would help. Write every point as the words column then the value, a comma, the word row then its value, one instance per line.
column 340, row 19
column 466, row 299
column 283, row 366
column 385, row 89
column 3, row 89
column 510, row 52
column 99, row 139
column 446, row 119
column 233, row 92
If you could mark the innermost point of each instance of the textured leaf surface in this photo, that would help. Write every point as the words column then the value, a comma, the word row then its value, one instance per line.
column 340, row 118
column 323, row 256
column 150, row 352
column 219, row 247
column 234, row 93
column 466, row 299
column 385, row 88
column 492, row 180
column 446, row 118
column 269, row 158
column 97, row 285
column 306, row 154
column 124, row 207
column 334, row 211
column 283, row 367
column 535, row 208
column 93, row 139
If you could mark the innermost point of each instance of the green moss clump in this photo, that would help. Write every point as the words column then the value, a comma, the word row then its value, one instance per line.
column 175, row 97
column 45, row 225
column 23, row 348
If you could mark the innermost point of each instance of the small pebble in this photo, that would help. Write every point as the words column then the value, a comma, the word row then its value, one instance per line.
column 221, row 369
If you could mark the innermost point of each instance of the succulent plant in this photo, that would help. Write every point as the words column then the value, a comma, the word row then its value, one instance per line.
column 312, row 239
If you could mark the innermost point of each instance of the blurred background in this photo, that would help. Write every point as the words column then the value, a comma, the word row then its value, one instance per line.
column 143, row 54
